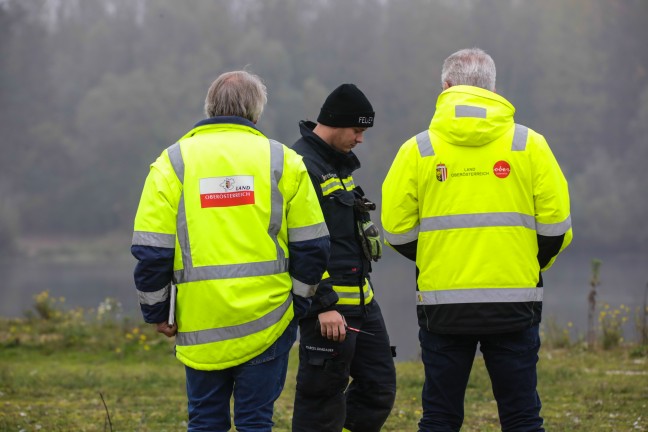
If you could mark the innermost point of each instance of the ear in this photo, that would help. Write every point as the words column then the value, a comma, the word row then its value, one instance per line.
column 446, row 85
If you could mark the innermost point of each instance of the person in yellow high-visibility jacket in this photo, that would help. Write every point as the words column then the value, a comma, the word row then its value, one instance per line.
column 231, row 218
column 482, row 207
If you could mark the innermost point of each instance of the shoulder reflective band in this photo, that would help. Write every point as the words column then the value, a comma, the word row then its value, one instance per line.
column 348, row 183
column 424, row 144
column 175, row 156
column 520, row 138
column 333, row 184
column 280, row 265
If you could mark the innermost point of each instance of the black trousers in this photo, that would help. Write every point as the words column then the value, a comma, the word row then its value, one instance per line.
column 324, row 400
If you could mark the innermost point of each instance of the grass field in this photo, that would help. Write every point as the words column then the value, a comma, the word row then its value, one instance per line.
column 61, row 389
column 84, row 371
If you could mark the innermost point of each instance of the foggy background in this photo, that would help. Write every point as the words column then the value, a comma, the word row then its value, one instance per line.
column 92, row 91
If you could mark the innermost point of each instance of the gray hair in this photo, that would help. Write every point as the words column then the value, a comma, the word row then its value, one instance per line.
column 238, row 93
column 471, row 67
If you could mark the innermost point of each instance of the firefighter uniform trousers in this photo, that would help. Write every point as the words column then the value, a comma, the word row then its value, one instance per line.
column 325, row 400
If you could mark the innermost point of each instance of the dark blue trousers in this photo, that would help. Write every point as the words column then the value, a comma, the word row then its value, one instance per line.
column 510, row 359
column 324, row 400
column 255, row 385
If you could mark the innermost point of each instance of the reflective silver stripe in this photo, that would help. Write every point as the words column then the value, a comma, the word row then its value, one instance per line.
column 333, row 185
column 554, row 229
column 183, row 235
column 175, row 156
column 155, row 297
column 230, row 271
column 233, row 332
column 308, row 232
column 477, row 220
column 177, row 162
column 424, row 144
column 479, row 295
column 348, row 183
column 145, row 238
column 470, row 111
column 276, row 199
column 352, row 295
column 190, row 273
column 520, row 138
column 301, row 289
column 406, row 237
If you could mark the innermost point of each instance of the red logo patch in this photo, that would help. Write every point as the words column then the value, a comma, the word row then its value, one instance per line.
column 228, row 191
column 502, row 169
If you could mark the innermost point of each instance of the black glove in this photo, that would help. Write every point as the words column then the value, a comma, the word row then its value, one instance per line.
column 363, row 205
column 369, row 234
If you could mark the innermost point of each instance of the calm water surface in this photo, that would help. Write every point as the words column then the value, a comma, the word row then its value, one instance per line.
column 86, row 284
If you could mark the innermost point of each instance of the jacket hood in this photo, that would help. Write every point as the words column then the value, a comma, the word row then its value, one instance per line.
column 471, row 116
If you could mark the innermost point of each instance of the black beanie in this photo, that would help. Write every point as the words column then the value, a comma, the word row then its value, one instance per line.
column 347, row 106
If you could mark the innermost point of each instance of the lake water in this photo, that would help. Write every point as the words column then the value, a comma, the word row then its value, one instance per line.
column 86, row 284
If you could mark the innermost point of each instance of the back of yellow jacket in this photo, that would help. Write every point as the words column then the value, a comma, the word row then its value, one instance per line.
column 487, row 206
column 239, row 213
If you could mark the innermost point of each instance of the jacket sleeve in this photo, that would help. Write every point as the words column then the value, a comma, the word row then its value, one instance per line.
column 408, row 250
column 400, row 213
column 153, row 274
column 551, row 200
column 325, row 297
column 308, row 236
column 154, row 238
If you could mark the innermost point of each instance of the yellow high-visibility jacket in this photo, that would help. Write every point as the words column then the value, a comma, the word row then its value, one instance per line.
column 478, row 194
column 234, row 207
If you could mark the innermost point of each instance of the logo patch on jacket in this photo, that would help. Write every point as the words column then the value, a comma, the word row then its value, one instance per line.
column 441, row 172
column 502, row 169
column 226, row 191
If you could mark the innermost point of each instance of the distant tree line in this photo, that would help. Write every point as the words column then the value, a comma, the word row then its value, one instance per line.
column 92, row 91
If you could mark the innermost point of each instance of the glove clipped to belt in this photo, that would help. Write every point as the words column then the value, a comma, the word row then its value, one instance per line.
column 371, row 243
column 369, row 233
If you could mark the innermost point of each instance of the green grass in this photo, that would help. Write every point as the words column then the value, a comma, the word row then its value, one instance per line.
column 89, row 370
column 52, row 384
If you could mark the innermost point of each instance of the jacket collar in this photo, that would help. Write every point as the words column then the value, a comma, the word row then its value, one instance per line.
column 226, row 120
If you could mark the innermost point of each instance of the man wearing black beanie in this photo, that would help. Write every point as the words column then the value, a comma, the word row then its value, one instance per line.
column 343, row 335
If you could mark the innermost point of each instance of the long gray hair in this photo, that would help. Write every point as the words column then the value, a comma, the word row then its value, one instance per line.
column 237, row 93
column 471, row 67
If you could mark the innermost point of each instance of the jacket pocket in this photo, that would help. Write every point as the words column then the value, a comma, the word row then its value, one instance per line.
column 338, row 213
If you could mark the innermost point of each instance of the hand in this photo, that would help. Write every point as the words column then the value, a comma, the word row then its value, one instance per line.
column 371, row 244
column 166, row 329
column 332, row 325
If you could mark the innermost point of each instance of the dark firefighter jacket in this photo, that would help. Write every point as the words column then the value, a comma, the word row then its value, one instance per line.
column 345, row 286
